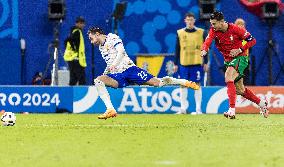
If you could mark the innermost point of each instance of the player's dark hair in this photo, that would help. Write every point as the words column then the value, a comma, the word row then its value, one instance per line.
column 189, row 15
column 94, row 30
column 80, row 19
column 217, row 16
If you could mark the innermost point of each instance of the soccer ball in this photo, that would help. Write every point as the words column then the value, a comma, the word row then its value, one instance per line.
column 8, row 119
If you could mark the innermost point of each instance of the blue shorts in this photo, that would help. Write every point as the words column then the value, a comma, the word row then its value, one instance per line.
column 131, row 76
column 193, row 73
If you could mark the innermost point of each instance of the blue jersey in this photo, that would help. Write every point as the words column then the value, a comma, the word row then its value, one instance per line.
column 132, row 75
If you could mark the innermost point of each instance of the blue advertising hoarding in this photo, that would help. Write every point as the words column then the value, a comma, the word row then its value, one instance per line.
column 129, row 100
column 136, row 99
column 36, row 99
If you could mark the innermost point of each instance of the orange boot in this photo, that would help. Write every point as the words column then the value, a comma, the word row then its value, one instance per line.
column 110, row 113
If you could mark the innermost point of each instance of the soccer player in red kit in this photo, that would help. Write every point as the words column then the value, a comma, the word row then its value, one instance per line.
column 228, row 39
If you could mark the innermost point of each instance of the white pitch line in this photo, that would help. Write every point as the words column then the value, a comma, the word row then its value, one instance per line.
column 166, row 162
column 104, row 125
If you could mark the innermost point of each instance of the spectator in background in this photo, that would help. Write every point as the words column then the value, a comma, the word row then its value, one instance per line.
column 37, row 79
column 75, row 53
column 188, row 61
column 241, row 23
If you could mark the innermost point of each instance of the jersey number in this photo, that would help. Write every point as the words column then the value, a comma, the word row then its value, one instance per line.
column 142, row 75
column 198, row 76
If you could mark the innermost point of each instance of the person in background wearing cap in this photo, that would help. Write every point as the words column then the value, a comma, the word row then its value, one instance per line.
column 75, row 53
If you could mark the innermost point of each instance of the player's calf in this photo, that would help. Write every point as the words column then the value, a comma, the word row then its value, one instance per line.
column 174, row 81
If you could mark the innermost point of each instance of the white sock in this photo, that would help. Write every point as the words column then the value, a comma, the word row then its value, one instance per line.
column 162, row 83
column 198, row 97
column 103, row 93
column 183, row 100
column 232, row 110
column 171, row 81
column 261, row 103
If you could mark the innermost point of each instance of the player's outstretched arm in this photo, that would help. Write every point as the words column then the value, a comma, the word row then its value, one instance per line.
column 207, row 43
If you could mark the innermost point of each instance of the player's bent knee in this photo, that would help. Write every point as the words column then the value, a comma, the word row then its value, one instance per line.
column 106, row 81
column 98, row 82
column 229, row 79
column 101, row 78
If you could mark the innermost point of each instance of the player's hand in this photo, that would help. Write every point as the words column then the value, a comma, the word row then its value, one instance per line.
column 235, row 52
column 203, row 53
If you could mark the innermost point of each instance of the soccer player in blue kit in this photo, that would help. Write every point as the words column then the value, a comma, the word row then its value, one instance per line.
column 121, row 71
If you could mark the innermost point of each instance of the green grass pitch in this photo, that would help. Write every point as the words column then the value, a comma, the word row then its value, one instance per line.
column 143, row 140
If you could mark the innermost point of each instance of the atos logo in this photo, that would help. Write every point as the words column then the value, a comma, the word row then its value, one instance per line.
column 9, row 18
column 148, row 101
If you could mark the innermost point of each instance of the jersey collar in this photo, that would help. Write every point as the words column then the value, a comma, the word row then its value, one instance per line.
column 104, row 41
column 190, row 30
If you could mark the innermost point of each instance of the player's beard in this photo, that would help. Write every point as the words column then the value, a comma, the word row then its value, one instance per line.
column 217, row 29
column 95, row 43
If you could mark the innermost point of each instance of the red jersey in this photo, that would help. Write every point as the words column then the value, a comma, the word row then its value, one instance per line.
column 228, row 40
